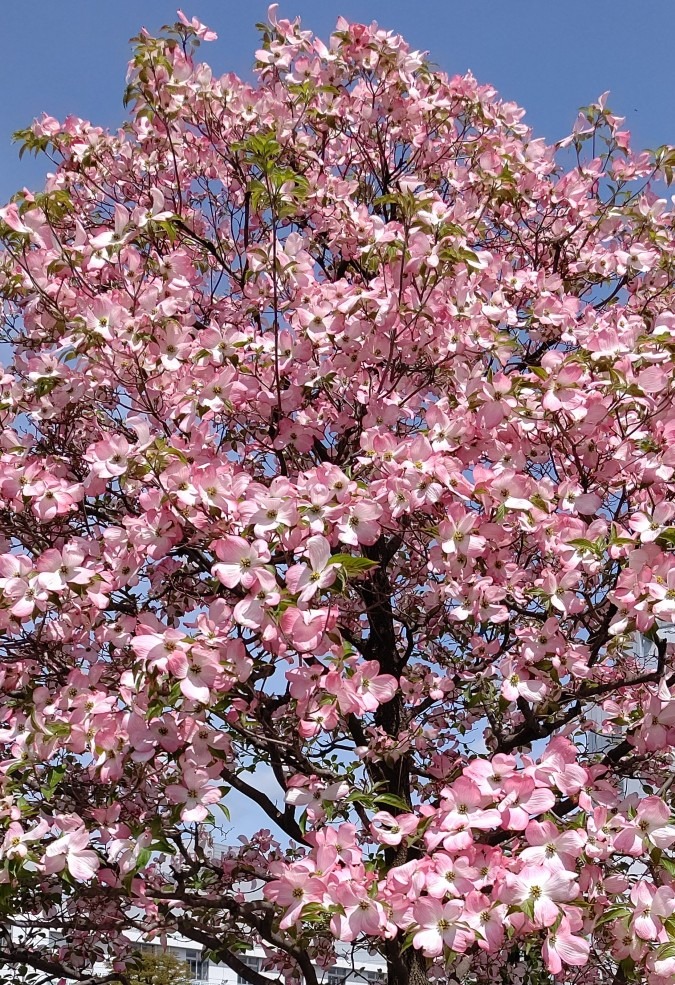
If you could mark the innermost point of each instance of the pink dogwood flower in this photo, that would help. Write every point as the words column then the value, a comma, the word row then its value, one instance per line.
column 561, row 947
column 542, row 890
column 71, row 851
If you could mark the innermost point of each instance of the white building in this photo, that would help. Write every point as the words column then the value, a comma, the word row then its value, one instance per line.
column 359, row 968
column 366, row 969
column 646, row 652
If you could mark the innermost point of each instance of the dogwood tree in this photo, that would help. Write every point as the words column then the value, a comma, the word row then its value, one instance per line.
column 338, row 442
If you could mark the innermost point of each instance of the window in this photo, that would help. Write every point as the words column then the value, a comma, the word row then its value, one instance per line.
column 149, row 948
column 199, row 966
column 337, row 976
column 341, row 975
column 251, row 962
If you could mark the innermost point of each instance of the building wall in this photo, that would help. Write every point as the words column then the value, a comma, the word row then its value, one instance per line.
column 368, row 971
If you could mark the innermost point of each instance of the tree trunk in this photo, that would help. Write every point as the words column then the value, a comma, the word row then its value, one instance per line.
column 407, row 968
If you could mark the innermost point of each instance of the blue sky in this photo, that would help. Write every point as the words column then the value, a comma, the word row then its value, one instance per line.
column 69, row 57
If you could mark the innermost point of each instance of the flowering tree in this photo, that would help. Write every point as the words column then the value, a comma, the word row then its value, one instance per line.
column 338, row 442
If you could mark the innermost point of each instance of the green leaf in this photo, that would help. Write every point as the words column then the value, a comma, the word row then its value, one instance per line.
column 612, row 913
column 179, row 454
column 527, row 907
column 586, row 545
column 313, row 911
column 391, row 800
column 56, row 774
column 225, row 810
column 144, row 857
column 667, row 535
column 353, row 565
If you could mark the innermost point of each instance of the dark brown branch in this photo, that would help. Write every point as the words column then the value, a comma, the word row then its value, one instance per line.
column 34, row 959
column 284, row 819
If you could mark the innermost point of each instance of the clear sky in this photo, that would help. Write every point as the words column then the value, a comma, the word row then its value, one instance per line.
column 70, row 56
column 550, row 56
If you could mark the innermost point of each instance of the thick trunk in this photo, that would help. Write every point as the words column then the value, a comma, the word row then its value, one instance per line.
column 407, row 968
column 403, row 967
